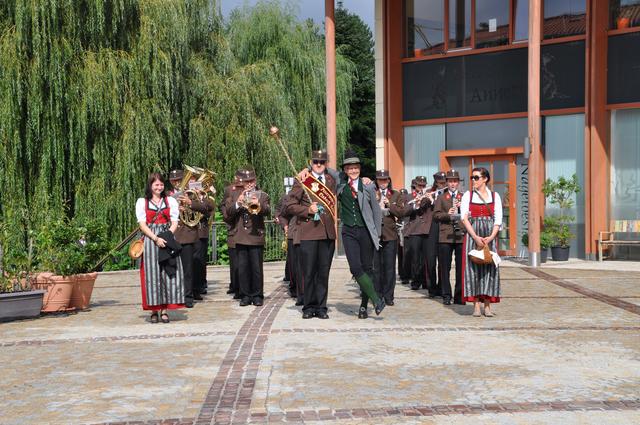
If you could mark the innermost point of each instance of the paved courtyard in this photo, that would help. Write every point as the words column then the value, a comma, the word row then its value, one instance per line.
column 564, row 348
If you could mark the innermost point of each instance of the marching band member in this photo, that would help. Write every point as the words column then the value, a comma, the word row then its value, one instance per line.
column 431, row 247
column 247, row 211
column 392, row 208
column 314, row 207
column 447, row 213
column 421, row 216
column 234, row 286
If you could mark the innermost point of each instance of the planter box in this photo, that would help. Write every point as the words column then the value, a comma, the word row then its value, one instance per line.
column 20, row 305
column 559, row 253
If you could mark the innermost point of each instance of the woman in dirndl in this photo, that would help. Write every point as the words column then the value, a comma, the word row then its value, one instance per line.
column 481, row 213
column 156, row 213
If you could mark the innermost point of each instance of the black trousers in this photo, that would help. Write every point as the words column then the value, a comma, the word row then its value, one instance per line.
column 385, row 266
column 250, row 273
column 200, row 265
column 315, row 262
column 293, row 269
column 431, row 257
column 359, row 249
column 233, row 271
column 416, row 259
column 445, row 254
column 287, row 265
column 186, row 256
column 408, row 256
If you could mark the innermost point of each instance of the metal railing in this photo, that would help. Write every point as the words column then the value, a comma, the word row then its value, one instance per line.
column 274, row 236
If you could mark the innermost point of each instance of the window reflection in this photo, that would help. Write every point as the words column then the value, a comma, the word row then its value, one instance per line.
column 521, row 20
column 624, row 14
column 459, row 23
column 564, row 18
column 425, row 27
column 492, row 23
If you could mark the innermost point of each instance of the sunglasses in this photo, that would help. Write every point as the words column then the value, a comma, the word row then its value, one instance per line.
column 319, row 162
column 476, row 178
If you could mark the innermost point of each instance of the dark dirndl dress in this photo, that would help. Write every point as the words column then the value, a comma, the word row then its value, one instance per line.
column 159, row 291
column 480, row 282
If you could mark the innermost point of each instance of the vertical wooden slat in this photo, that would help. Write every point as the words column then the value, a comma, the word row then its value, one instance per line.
column 330, row 58
column 393, row 88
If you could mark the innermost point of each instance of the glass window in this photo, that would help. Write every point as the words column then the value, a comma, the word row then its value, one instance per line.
column 422, row 146
column 425, row 27
column 521, row 20
column 624, row 14
column 486, row 134
column 459, row 23
column 564, row 156
column 564, row 18
column 492, row 23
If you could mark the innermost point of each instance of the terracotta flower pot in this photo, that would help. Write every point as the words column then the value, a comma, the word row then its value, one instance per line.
column 58, row 291
column 417, row 53
column 82, row 289
column 623, row 23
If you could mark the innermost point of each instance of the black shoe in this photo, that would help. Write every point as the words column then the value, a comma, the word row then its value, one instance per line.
column 380, row 306
column 188, row 304
column 432, row 295
column 258, row 302
column 293, row 294
column 389, row 302
column 198, row 297
column 245, row 302
column 446, row 302
column 308, row 315
column 204, row 292
column 415, row 287
column 231, row 291
column 237, row 297
column 299, row 303
column 362, row 314
column 405, row 282
column 322, row 315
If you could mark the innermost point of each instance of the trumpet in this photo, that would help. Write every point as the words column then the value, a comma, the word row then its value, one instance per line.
column 251, row 201
column 420, row 196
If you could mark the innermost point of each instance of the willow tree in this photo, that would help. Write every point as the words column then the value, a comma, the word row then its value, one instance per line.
column 95, row 94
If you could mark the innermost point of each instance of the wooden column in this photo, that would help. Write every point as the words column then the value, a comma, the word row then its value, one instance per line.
column 330, row 52
column 393, row 53
column 535, row 157
column 597, row 161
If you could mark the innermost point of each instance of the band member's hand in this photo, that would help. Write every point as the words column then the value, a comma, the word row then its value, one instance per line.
column 452, row 210
column 430, row 197
column 313, row 208
column 286, row 228
column 181, row 208
column 240, row 199
column 302, row 175
column 366, row 181
column 185, row 200
column 479, row 242
column 161, row 242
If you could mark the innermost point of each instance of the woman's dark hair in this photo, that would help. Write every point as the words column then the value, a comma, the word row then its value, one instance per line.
column 483, row 172
column 148, row 194
column 389, row 186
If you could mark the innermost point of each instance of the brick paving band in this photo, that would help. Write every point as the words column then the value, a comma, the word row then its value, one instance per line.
column 607, row 299
column 301, row 416
column 456, row 329
column 229, row 397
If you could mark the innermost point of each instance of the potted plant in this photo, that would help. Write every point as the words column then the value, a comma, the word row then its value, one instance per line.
column 17, row 298
column 545, row 243
column 561, row 193
column 68, row 250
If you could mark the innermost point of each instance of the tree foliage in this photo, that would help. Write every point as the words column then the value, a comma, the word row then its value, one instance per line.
column 355, row 41
column 95, row 94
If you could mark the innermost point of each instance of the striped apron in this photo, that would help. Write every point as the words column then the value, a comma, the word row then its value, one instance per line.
column 159, row 291
column 481, row 282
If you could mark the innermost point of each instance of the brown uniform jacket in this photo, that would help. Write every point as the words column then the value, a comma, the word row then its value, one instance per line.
column 203, row 229
column 441, row 215
column 246, row 228
column 391, row 214
column 229, row 221
column 286, row 219
column 420, row 222
column 185, row 234
column 297, row 204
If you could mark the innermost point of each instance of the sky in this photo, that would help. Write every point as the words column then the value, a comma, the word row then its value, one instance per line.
column 314, row 9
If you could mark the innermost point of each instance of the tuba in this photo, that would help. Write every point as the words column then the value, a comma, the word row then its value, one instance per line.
column 189, row 217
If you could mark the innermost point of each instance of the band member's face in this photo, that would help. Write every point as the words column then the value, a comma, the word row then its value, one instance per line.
column 383, row 183
column 441, row 184
column 421, row 187
column 157, row 187
column 318, row 166
column 175, row 182
column 453, row 184
column 352, row 170
column 250, row 184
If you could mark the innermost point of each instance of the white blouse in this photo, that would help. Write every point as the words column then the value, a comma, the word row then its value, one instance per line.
column 141, row 215
column 497, row 206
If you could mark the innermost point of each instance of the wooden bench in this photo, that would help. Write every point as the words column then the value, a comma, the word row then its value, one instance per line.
column 607, row 240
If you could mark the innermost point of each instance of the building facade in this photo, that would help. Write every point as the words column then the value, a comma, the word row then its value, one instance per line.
column 453, row 90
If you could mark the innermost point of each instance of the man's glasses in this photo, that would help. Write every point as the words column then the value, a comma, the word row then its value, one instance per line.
column 476, row 178
column 319, row 162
